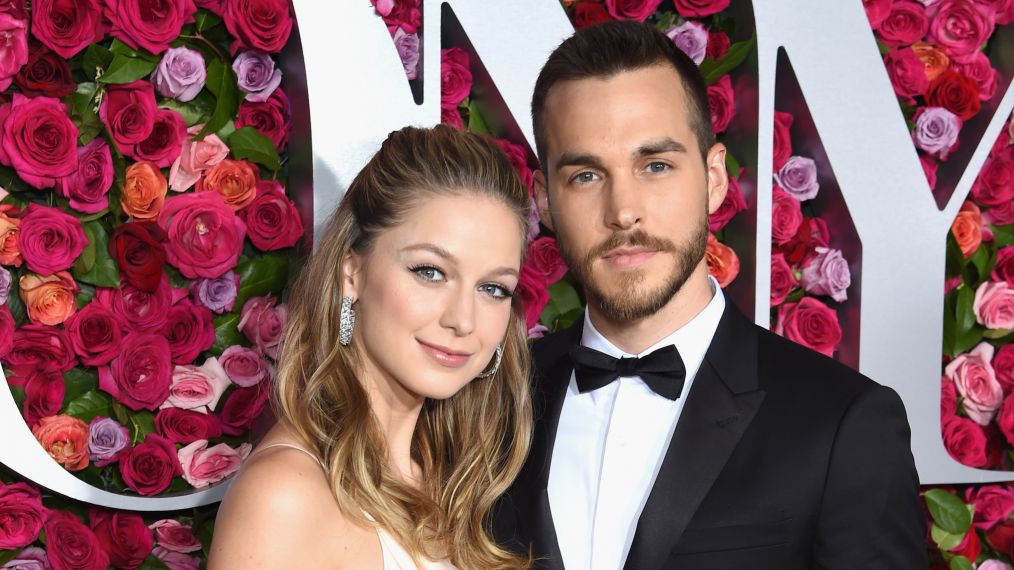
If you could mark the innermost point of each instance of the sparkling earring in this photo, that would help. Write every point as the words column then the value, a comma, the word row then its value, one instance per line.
column 496, row 363
column 347, row 321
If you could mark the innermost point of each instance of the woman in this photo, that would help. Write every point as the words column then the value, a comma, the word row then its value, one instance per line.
column 402, row 390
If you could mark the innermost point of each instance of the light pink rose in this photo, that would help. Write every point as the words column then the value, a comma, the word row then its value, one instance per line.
column 173, row 535
column 827, row 273
column 244, row 366
column 203, row 465
column 976, row 381
column 994, row 305
column 176, row 560
column 995, row 565
column 197, row 388
column 14, row 49
column 263, row 323
column 196, row 157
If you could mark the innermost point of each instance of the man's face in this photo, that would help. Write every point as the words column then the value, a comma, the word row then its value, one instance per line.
column 626, row 189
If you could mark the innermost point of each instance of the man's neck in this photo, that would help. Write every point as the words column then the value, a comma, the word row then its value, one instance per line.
column 633, row 337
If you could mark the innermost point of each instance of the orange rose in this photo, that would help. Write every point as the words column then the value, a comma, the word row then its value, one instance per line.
column 936, row 61
column 50, row 299
column 235, row 180
column 65, row 439
column 10, row 253
column 723, row 264
column 144, row 190
column 967, row 228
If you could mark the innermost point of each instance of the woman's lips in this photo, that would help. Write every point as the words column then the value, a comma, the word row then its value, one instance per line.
column 445, row 356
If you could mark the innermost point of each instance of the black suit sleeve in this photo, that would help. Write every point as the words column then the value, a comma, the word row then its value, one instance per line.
column 870, row 516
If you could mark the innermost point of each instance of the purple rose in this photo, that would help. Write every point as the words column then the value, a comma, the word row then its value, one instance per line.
column 936, row 131
column 827, row 273
column 244, row 366
column 5, row 285
column 256, row 75
column 408, row 50
column 692, row 39
column 106, row 439
column 181, row 74
column 798, row 177
column 31, row 558
column 217, row 294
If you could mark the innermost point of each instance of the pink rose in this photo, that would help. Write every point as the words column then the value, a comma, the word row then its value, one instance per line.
column 50, row 239
column 787, row 216
column 519, row 160
column 1001, row 215
column 993, row 504
column 149, row 467
column 632, row 9
column 195, row 157
column 948, row 398
column 272, row 220
column 197, row 388
column 23, row 515
column 533, row 294
column 722, row 104
column 994, row 305
column 149, row 25
column 165, row 142
column 173, row 535
column 263, row 323
column 87, row 188
column 140, row 374
column 1004, row 268
column 203, row 465
column 975, row 380
column 960, row 27
column 965, row 441
column 242, row 407
column 929, row 167
column 176, row 560
column 186, row 426
column 827, row 273
column 699, row 8
column 244, row 366
column 907, row 73
column 544, row 257
column 811, row 324
column 1005, row 418
column 189, row 330
column 14, row 50
column 128, row 112
column 205, row 235
column 455, row 77
column 452, row 117
column 67, row 26
column 905, row 24
column 877, row 11
column 6, row 330
column 38, row 139
column 782, row 279
column 262, row 25
column 1003, row 365
column 783, row 139
column 733, row 204
column 980, row 70
column 272, row 118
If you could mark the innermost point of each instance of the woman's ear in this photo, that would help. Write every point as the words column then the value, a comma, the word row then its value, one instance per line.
column 352, row 275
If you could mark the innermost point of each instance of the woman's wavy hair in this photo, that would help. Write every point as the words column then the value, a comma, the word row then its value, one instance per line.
column 471, row 445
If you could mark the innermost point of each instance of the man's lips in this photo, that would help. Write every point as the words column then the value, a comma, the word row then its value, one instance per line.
column 445, row 356
column 627, row 257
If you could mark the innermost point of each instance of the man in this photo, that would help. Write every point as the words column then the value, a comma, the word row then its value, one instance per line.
column 736, row 449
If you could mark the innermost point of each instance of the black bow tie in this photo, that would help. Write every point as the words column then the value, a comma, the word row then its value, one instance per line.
column 662, row 370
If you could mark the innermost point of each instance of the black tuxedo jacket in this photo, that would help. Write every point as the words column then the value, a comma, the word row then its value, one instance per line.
column 782, row 459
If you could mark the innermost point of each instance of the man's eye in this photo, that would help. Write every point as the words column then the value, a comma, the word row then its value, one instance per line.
column 584, row 177
column 657, row 167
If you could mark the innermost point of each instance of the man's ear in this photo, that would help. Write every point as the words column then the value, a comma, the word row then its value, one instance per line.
column 352, row 275
column 542, row 200
column 718, row 177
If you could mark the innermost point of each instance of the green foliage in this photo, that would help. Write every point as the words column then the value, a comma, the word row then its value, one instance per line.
column 96, row 58
column 205, row 20
column 126, row 69
column 1003, row 235
column 90, row 404
column 140, row 425
column 95, row 266
column 949, row 512
column 944, row 540
column 714, row 70
column 79, row 381
column 476, row 122
column 563, row 308
column 249, row 143
column 221, row 82
column 259, row 276
column 226, row 332
column 961, row 563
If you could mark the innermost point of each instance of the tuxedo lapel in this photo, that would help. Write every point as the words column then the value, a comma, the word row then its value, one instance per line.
column 723, row 400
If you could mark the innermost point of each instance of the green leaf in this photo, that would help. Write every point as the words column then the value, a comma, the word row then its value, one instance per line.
column 152, row 562
column 79, row 382
column 980, row 261
column 95, row 58
column 86, row 261
column 19, row 396
column 476, row 123
column 249, row 143
column 226, row 333
column 948, row 511
column 714, row 70
column 124, row 69
column 945, row 540
column 206, row 20
column 83, row 99
column 259, row 276
column 221, row 81
column 666, row 21
column 120, row 413
column 90, row 404
column 884, row 48
column 964, row 314
column 141, row 424
column 8, row 555
column 120, row 48
column 85, row 296
column 564, row 301
column 1003, row 235
column 103, row 271
column 17, row 306
column 961, row 563
column 193, row 112
column 965, row 341
column 732, row 165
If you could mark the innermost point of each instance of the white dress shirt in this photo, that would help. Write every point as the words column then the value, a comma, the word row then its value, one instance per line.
column 609, row 447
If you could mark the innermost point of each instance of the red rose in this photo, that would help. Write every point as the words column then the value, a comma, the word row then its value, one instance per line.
column 877, row 11
column 164, row 143
column 22, row 512
column 782, row 279
column 38, row 140
column 95, row 333
column 811, row 324
column 960, row 27
column 44, row 392
column 140, row 375
column 149, row 25
column 87, row 188
column 150, row 466
column 1001, row 537
column 70, row 545
column 588, row 13
column 905, row 24
column 544, row 257
column 783, row 140
column 970, row 546
column 733, row 204
column 718, row 45
column 123, row 536
column 632, row 9
column 965, row 441
column 50, row 240
column 272, row 220
column 907, row 73
column 956, row 93
column 532, row 293
column 995, row 184
column 67, row 26
column 46, row 73
column 242, row 407
column 405, row 14
column 948, row 397
column 452, row 117
column 455, row 77
column 139, row 250
column 262, row 25
column 205, row 235
column 786, row 216
column 699, row 8
column 186, row 426
column 812, row 233
column 721, row 103
column 271, row 118
column 39, row 347
column 189, row 330
column 128, row 112
column 140, row 310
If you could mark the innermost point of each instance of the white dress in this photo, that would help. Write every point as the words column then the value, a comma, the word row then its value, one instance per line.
column 395, row 556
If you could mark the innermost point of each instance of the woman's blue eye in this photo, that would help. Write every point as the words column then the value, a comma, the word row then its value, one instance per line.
column 496, row 291
column 428, row 272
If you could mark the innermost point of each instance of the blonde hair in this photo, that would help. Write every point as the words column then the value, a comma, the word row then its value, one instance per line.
column 471, row 445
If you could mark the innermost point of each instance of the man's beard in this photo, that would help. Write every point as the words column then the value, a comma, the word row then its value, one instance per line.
column 631, row 302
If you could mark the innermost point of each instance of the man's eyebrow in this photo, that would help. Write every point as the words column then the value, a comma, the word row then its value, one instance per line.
column 658, row 147
column 578, row 159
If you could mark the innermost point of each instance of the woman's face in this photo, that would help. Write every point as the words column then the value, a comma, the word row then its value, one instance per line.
column 434, row 296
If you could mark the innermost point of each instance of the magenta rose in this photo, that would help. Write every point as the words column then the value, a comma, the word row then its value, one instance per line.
column 140, row 310
column 455, row 77
column 960, row 27
column 974, row 378
column 782, row 279
column 164, row 143
column 38, row 140
column 452, row 117
column 1005, row 419
column 787, row 216
column 732, row 204
column 203, row 465
column 272, row 118
column 186, row 426
column 173, row 535
column 70, row 545
column 149, row 467
column 23, row 515
column 721, row 103
column 699, row 8
column 95, row 333
column 189, row 330
column 783, row 139
column 995, row 184
column 14, row 49
column 929, row 167
column 1000, row 215
column 149, row 25
column 123, row 536
column 263, row 25
column 993, row 505
column 6, row 330
column 948, row 398
column 128, row 112
column 67, row 26
column 140, row 375
column 1003, row 366
column 994, row 305
column 242, row 407
column 44, row 392
column 907, row 73
column 979, row 69
column 106, row 440
column 877, row 11
column 87, row 188
column 263, row 324
column 272, row 220
column 811, row 324
column 965, row 441
column 544, row 257
column 632, row 9
column 905, row 24
column 215, row 6
column 402, row 15
column 533, row 294
column 718, row 45
column 519, row 160
column 1004, row 268
column 205, row 235
column 197, row 388
column 244, row 366
column 39, row 347
column 827, row 273
column 50, row 240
